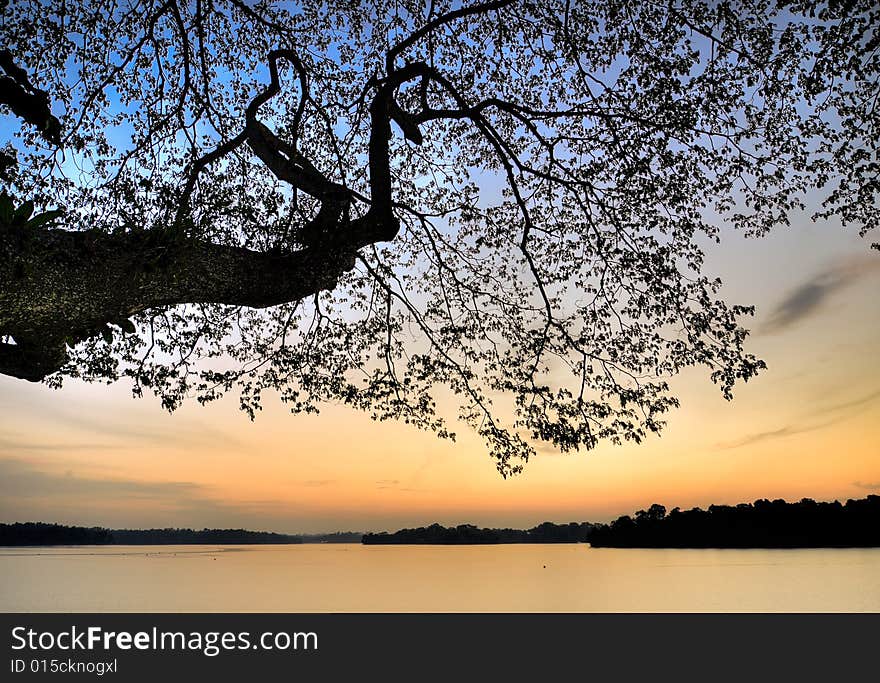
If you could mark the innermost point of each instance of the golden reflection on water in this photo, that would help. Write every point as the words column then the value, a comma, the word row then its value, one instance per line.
column 507, row 578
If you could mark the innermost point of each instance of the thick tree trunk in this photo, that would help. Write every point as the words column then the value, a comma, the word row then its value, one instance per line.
column 59, row 287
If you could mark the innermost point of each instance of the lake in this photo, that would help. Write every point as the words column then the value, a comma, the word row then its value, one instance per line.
column 499, row 578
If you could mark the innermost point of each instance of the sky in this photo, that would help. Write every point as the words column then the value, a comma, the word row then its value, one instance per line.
column 809, row 426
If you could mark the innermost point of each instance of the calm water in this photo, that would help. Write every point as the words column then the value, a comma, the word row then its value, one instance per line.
column 506, row 578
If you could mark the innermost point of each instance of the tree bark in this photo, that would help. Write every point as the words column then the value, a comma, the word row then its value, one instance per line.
column 59, row 287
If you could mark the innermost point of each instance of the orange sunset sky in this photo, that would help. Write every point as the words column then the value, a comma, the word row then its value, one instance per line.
column 806, row 427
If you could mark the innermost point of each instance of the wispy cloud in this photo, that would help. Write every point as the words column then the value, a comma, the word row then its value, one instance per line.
column 318, row 483
column 132, row 425
column 838, row 412
column 850, row 406
column 545, row 448
column 30, row 492
column 85, row 434
column 20, row 479
column 394, row 484
column 787, row 430
column 810, row 296
column 14, row 443
column 868, row 486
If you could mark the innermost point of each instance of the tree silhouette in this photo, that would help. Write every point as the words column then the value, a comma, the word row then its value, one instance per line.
column 762, row 524
column 380, row 203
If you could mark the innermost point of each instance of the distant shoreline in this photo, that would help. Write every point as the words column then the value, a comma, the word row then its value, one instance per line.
column 41, row 534
column 468, row 534
column 763, row 524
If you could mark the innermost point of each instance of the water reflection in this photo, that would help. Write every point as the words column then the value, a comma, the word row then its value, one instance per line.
column 507, row 578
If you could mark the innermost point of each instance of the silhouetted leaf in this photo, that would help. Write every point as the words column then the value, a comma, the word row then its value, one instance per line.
column 43, row 218
column 23, row 212
column 6, row 208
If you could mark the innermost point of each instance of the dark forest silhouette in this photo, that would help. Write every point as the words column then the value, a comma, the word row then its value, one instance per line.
column 38, row 533
column 762, row 524
column 468, row 534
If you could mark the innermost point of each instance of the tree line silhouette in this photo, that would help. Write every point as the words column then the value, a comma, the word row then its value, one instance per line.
column 762, row 524
column 468, row 534
column 39, row 533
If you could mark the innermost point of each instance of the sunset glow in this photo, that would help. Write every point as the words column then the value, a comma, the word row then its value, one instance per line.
column 807, row 427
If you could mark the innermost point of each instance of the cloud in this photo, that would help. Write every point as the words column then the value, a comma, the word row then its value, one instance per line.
column 86, row 434
column 850, row 405
column 788, row 430
column 11, row 443
column 546, row 448
column 867, row 485
column 189, row 433
column 19, row 479
column 116, row 421
column 839, row 411
column 317, row 483
column 810, row 296
column 28, row 492
column 394, row 484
